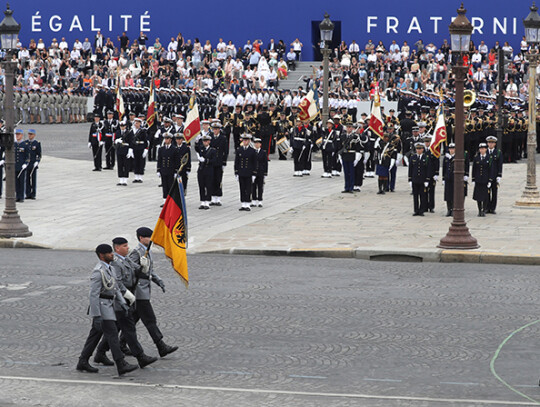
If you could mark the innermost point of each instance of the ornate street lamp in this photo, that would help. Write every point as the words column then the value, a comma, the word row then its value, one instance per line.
column 530, row 197
column 10, row 224
column 458, row 236
column 327, row 30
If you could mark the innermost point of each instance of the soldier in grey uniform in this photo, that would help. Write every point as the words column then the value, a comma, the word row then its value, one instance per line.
column 66, row 102
column 74, row 106
column 44, row 107
column 105, row 295
column 25, row 106
column 83, row 108
column 51, row 111
column 58, row 107
column 34, row 110
column 145, row 269
column 126, row 278
column 17, row 105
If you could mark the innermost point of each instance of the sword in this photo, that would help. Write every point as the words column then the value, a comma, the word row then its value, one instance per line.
column 97, row 152
column 21, row 172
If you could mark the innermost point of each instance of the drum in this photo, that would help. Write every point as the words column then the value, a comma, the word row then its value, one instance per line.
column 283, row 145
column 319, row 142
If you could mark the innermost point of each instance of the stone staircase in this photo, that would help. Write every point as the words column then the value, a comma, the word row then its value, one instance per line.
column 295, row 79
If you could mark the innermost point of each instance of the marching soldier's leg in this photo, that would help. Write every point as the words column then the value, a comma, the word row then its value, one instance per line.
column 110, row 332
column 148, row 317
column 89, row 346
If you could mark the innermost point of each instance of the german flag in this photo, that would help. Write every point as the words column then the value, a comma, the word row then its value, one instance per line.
column 171, row 230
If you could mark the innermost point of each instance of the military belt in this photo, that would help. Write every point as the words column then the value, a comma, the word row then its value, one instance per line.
column 144, row 277
column 300, row 139
column 106, row 297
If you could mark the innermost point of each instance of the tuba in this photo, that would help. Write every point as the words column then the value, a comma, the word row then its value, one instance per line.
column 469, row 97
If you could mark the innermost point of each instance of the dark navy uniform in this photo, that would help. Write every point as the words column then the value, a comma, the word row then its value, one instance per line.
column 22, row 159
column 95, row 140
column 167, row 165
column 496, row 164
column 34, row 151
column 2, row 163
column 184, row 149
column 139, row 144
column 433, row 171
column 448, row 178
column 245, row 170
column 109, row 130
column 122, row 143
column 220, row 144
column 205, row 174
column 482, row 176
column 261, row 171
column 419, row 177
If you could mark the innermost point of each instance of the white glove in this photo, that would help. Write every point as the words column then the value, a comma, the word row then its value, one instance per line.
column 435, row 178
column 130, row 153
column 101, row 143
column 118, row 141
column 36, row 164
column 159, row 175
column 202, row 159
column 175, row 175
column 443, row 182
column 128, row 295
column 145, row 264
column 224, row 167
column 145, row 153
column 426, row 184
column 498, row 180
column 447, row 155
column 489, row 185
column 1, row 163
column 253, row 178
column 355, row 162
column 187, row 172
column 236, row 176
column 89, row 145
column 410, row 184
column 156, row 136
column 24, row 166
column 465, row 178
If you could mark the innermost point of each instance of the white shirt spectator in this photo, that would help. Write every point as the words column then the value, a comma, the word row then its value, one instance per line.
column 476, row 57
column 77, row 45
column 221, row 46
column 75, row 54
column 173, row 46
column 483, row 48
column 394, row 47
column 354, row 47
column 63, row 45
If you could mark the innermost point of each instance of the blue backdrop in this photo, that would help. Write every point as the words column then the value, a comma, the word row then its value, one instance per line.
column 241, row 20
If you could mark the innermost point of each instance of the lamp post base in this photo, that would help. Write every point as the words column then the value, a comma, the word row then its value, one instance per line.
column 12, row 226
column 459, row 238
column 529, row 199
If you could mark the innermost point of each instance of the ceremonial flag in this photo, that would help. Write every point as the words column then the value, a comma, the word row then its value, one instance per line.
column 171, row 230
column 439, row 135
column 375, row 120
column 193, row 122
column 120, row 104
column 151, row 114
column 309, row 105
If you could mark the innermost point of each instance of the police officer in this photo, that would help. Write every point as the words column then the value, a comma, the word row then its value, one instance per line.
column 144, row 267
column 139, row 146
column 220, row 144
column 22, row 160
column 419, row 178
column 496, row 162
column 122, row 144
column 183, row 149
column 110, row 125
column 123, row 271
column 261, row 171
column 482, row 178
column 34, row 151
column 168, row 162
column 95, row 141
column 245, row 170
column 205, row 173
column 104, row 294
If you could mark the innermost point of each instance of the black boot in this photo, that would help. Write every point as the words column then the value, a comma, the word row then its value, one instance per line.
column 124, row 367
column 102, row 358
column 124, row 348
column 385, row 186
column 165, row 349
column 84, row 366
column 381, row 187
column 449, row 208
column 145, row 360
column 480, row 211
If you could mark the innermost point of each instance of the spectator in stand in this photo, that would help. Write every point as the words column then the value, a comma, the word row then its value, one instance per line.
column 476, row 59
column 297, row 48
column 483, row 48
column 291, row 60
column 354, row 49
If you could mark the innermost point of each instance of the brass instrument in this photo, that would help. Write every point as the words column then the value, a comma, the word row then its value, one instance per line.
column 469, row 97
column 392, row 146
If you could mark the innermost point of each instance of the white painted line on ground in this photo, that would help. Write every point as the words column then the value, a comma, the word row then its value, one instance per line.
column 307, row 377
column 382, row 380
column 461, row 383
column 266, row 391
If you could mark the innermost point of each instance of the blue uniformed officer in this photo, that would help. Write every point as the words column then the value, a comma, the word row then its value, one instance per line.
column 261, row 170
column 105, row 294
column 419, row 179
column 167, row 164
column 34, row 150
column 22, row 159
column 245, row 170
column 221, row 145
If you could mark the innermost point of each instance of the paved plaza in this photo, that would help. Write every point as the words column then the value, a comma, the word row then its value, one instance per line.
column 77, row 208
column 280, row 331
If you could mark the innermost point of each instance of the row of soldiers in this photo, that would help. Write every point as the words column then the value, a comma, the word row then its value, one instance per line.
column 47, row 106
column 120, row 296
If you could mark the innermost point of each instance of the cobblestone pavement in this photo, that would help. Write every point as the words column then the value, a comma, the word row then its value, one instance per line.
column 263, row 331
column 77, row 207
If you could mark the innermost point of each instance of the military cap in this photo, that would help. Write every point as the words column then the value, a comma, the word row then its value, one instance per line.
column 206, row 137
column 492, row 139
column 103, row 249
column 451, row 145
column 167, row 120
column 420, row 145
column 392, row 110
column 363, row 114
column 482, row 145
column 142, row 115
column 349, row 124
column 123, row 124
column 119, row 240
column 96, row 115
column 257, row 140
column 132, row 113
column 19, row 131
column 32, row 131
column 167, row 135
column 246, row 136
column 330, row 121
column 426, row 138
column 144, row 232
column 110, row 112
column 408, row 113
column 337, row 117
column 422, row 124
column 179, row 135
column 205, row 122
column 138, row 120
